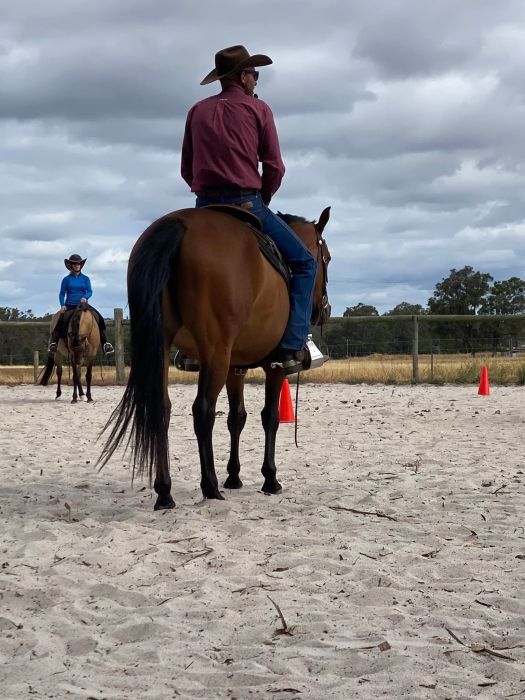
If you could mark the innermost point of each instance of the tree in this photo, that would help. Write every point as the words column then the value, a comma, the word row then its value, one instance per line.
column 361, row 310
column 406, row 309
column 462, row 292
column 401, row 332
column 505, row 297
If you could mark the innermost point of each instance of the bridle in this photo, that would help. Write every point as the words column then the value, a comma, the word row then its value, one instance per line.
column 322, row 260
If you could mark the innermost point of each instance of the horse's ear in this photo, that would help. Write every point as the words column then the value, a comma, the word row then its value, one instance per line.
column 323, row 219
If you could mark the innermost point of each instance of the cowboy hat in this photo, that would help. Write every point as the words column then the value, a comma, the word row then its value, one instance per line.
column 233, row 60
column 75, row 258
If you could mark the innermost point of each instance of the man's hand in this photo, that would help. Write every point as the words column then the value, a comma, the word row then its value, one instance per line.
column 83, row 300
column 62, row 309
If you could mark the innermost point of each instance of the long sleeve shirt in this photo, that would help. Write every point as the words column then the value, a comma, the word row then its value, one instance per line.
column 225, row 138
column 74, row 288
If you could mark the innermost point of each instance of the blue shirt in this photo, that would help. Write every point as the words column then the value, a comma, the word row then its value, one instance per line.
column 74, row 288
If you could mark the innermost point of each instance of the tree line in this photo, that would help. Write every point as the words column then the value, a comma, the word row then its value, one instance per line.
column 463, row 292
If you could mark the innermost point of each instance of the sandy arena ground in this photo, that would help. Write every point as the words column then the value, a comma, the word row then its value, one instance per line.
column 395, row 553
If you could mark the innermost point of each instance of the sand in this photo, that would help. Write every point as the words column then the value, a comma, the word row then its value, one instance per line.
column 395, row 553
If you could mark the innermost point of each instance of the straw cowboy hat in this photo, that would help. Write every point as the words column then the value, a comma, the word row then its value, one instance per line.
column 233, row 60
column 74, row 259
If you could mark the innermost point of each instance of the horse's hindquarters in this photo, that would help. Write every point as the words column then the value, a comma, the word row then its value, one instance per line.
column 227, row 294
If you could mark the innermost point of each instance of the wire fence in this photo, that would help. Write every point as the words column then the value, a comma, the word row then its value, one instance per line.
column 24, row 343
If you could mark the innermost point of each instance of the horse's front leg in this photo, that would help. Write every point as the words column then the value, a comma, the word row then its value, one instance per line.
column 270, row 421
column 59, row 380
column 236, row 422
column 212, row 377
column 76, row 381
column 162, row 483
column 89, row 374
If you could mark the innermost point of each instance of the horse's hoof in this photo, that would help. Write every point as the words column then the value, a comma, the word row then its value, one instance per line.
column 90, row 400
column 213, row 494
column 233, row 482
column 273, row 487
column 74, row 401
column 164, row 503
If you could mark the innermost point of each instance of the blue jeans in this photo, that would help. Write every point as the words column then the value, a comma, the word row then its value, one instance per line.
column 296, row 255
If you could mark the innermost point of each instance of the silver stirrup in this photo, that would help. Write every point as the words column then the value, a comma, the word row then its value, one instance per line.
column 313, row 356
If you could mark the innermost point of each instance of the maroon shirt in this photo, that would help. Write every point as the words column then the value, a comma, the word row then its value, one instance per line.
column 226, row 136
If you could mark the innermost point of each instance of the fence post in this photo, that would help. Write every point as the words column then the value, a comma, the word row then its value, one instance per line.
column 415, row 350
column 119, row 347
column 36, row 362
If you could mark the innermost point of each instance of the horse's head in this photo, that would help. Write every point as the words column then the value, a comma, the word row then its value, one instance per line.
column 311, row 234
column 79, row 331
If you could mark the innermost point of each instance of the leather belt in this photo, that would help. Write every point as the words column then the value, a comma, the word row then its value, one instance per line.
column 225, row 192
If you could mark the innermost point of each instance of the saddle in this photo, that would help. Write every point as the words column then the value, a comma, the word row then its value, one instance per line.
column 266, row 244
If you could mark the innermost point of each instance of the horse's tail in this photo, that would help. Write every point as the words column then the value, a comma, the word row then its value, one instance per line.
column 142, row 404
column 46, row 374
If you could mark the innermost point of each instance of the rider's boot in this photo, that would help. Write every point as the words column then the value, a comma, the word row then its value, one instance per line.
column 107, row 348
column 53, row 341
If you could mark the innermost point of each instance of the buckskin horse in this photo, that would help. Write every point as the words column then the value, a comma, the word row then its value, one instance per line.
column 197, row 280
column 81, row 344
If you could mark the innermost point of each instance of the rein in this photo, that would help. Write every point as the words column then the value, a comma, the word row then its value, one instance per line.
column 322, row 259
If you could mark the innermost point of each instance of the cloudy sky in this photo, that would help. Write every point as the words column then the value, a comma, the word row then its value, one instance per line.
column 406, row 116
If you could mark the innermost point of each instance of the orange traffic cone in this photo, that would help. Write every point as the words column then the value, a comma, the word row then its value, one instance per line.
column 484, row 389
column 286, row 414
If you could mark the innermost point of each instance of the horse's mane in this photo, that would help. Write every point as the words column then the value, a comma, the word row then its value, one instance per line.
column 292, row 219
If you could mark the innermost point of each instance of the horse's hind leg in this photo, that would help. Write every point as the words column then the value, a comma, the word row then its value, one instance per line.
column 162, row 483
column 270, row 421
column 212, row 377
column 236, row 422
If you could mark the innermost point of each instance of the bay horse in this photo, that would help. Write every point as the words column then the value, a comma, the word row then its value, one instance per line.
column 197, row 280
column 81, row 344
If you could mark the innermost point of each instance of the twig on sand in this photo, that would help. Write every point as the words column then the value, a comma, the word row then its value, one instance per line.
column 479, row 648
column 377, row 513
column 285, row 628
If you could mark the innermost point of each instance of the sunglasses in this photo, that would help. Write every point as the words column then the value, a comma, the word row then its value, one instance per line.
column 255, row 73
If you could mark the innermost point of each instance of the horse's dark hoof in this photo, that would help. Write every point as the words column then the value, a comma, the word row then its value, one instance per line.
column 90, row 400
column 272, row 486
column 164, row 503
column 213, row 494
column 74, row 401
column 233, row 482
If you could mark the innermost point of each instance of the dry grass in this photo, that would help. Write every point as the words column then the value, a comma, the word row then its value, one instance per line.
column 374, row 369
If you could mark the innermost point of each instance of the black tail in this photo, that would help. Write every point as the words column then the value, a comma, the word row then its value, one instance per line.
column 47, row 372
column 142, row 404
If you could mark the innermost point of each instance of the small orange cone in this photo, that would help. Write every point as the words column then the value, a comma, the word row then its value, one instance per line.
column 484, row 389
column 286, row 414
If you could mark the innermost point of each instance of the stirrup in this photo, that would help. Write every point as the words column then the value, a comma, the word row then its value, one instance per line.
column 311, row 358
column 52, row 347
column 108, row 349
column 184, row 363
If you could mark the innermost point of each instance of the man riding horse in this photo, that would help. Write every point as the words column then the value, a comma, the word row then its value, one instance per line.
column 225, row 138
